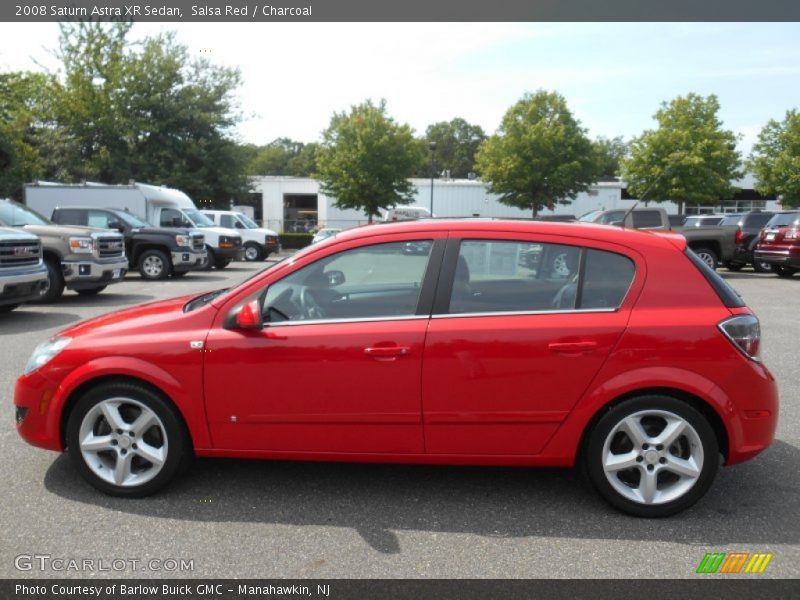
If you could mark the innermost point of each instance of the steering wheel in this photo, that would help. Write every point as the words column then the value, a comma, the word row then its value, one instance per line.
column 309, row 305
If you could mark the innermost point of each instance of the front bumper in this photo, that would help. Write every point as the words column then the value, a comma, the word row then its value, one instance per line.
column 786, row 258
column 36, row 423
column 230, row 253
column 79, row 274
column 188, row 260
column 22, row 285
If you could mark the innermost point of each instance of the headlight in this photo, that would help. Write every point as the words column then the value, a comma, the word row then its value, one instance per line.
column 80, row 245
column 45, row 351
column 182, row 240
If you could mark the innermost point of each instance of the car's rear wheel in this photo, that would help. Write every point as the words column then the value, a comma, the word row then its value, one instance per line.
column 708, row 256
column 733, row 266
column 782, row 271
column 652, row 456
column 762, row 267
column 126, row 440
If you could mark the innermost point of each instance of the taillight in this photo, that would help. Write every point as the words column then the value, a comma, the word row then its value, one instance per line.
column 744, row 332
column 739, row 235
column 791, row 234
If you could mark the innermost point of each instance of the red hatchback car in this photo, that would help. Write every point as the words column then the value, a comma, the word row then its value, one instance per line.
column 448, row 342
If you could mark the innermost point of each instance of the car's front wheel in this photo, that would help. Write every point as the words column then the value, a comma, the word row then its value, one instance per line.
column 253, row 252
column 652, row 456
column 126, row 440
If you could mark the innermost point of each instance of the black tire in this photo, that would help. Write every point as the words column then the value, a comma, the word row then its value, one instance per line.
column 762, row 267
column 91, row 291
column 643, row 408
column 170, row 431
column 54, row 288
column 210, row 259
column 707, row 255
column 154, row 265
column 179, row 274
column 782, row 271
column 731, row 266
column 253, row 252
column 4, row 308
column 221, row 263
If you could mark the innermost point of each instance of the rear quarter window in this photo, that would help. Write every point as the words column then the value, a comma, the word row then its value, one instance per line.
column 726, row 293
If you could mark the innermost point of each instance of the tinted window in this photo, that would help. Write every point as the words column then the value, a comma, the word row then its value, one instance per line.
column 646, row 218
column 757, row 219
column 70, row 216
column 172, row 218
column 226, row 221
column 783, row 219
column 732, row 220
column 383, row 280
column 726, row 293
column 607, row 277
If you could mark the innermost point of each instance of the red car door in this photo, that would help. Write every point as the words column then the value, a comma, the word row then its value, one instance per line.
column 338, row 366
column 515, row 340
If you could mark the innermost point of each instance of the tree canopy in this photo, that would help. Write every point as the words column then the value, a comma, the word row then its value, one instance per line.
column 366, row 158
column 539, row 156
column 457, row 142
column 690, row 158
column 283, row 156
column 610, row 153
column 775, row 160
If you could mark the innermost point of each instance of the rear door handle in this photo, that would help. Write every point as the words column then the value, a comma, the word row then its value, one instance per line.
column 572, row 348
column 387, row 351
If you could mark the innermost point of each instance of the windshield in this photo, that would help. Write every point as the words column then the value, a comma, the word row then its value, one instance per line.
column 589, row 216
column 15, row 215
column 199, row 219
column 249, row 223
column 784, row 219
column 130, row 219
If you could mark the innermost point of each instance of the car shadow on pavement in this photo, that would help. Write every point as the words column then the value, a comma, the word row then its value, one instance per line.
column 20, row 321
column 107, row 298
column 754, row 503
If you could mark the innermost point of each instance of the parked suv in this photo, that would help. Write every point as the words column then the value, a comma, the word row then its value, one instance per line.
column 83, row 259
column 748, row 227
column 258, row 242
column 779, row 243
column 22, row 272
column 157, row 252
column 458, row 354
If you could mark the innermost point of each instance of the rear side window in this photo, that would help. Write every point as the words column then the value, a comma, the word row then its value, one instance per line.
column 70, row 216
column 726, row 293
column 493, row 276
column 732, row 220
column 646, row 218
column 757, row 219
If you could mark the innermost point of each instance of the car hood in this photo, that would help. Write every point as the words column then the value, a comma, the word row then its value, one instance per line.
column 139, row 319
column 65, row 230
column 220, row 231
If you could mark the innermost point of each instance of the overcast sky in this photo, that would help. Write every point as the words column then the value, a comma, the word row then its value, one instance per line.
column 614, row 76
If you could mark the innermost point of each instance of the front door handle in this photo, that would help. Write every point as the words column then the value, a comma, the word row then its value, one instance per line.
column 572, row 348
column 387, row 352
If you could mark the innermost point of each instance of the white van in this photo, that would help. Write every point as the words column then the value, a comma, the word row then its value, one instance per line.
column 259, row 242
column 406, row 213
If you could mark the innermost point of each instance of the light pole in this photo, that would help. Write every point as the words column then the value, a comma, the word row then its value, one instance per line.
column 432, row 147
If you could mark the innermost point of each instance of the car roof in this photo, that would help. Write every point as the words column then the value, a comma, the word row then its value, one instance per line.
column 579, row 230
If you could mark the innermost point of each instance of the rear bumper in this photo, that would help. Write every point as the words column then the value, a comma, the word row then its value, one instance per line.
column 81, row 274
column 786, row 258
column 22, row 284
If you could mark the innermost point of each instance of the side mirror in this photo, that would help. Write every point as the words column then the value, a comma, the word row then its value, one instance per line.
column 177, row 222
column 249, row 316
column 116, row 225
column 334, row 278
column 238, row 225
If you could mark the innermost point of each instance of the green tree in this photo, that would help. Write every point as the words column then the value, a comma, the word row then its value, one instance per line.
column 456, row 141
column 280, row 157
column 539, row 156
column 610, row 153
column 689, row 158
column 304, row 163
column 775, row 160
column 366, row 158
column 148, row 112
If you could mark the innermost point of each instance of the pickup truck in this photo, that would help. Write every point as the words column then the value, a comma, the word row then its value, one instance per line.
column 156, row 252
column 713, row 244
column 22, row 272
column 83, row 259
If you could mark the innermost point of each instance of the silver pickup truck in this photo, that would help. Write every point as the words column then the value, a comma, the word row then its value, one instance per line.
column 83, row 259
column 22, row 272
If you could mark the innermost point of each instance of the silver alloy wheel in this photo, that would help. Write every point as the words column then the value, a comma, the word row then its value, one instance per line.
column 153, row 266
column 708, row 259
column 123, row 442
column 652, row 457
column 251, row 253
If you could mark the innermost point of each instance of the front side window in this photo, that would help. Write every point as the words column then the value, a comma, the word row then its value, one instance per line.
column 508, row 276
column 99, row 219
column 382, row 280
column 173, row 218
column 226, row 221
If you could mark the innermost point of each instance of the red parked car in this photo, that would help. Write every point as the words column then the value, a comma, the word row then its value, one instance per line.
column 614, row 349
column 779, row 243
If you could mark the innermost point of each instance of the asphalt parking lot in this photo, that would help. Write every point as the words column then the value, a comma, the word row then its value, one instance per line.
column 237, row 518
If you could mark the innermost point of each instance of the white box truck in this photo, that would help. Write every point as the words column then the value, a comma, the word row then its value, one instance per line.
column 158, row 205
